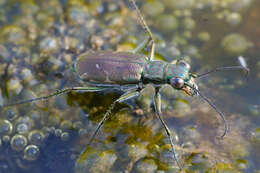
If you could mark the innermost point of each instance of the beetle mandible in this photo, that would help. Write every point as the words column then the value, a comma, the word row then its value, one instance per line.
column 131, row 72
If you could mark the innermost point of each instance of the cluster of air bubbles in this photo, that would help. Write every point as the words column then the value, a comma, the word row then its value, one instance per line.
column 27, row 134
column 17, row 133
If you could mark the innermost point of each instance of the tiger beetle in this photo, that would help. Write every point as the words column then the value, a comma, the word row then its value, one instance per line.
column 130, row 72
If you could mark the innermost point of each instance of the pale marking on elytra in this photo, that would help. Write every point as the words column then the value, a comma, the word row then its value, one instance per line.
column 84, row 74
column 97, row 66
column 107, row 77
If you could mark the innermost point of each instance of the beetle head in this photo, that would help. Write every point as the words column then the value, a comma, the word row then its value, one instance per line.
column 183, row 79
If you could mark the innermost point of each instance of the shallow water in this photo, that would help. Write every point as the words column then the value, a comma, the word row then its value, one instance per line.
column 38, row 42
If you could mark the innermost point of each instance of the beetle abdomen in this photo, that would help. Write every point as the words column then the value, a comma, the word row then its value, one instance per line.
column 110, row 67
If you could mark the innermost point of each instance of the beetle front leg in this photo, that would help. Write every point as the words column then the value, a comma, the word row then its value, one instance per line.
column 157, row 106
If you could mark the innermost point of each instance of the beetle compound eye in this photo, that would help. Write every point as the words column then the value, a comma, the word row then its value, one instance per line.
column 177, row 83
column 185, row 64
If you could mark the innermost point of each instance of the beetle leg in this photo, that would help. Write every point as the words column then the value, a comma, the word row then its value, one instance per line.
column 58, row 92
column 147, row 30
column 124, row 97
column 151, row 57
column 142, row 45
column 128, row 95
column 157, row 106
column 102, row 85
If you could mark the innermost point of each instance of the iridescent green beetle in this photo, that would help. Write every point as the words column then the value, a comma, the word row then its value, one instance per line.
column 131, row 72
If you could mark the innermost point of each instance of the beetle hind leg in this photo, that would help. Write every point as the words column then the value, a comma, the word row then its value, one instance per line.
column 58, row 92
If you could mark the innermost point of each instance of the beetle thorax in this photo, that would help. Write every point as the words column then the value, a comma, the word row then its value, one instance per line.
column 154, row 72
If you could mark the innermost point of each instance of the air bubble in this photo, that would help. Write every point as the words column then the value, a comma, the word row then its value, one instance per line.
column 31, row 152
column 18, row 142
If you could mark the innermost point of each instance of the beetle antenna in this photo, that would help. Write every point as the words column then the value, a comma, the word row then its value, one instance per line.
column 216, row 109
column 222, row 69
column 242, row 65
